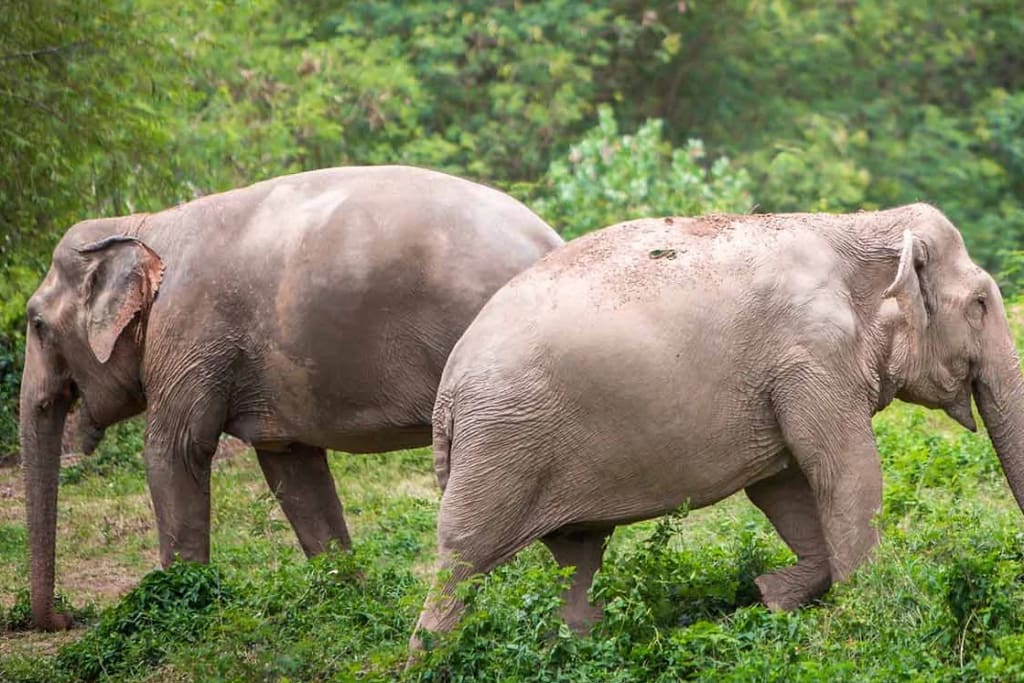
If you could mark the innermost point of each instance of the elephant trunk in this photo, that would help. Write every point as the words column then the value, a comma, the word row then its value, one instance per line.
column 45, row 401
column 999, row 393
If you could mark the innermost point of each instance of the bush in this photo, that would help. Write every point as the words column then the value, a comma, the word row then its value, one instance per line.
column 167, row 610
column 16, row 284
column 608, row 178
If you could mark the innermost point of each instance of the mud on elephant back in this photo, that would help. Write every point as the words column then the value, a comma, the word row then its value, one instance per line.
column 306, row 312
column 752, row 360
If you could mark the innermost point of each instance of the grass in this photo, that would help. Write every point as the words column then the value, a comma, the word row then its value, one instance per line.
column 941, row 602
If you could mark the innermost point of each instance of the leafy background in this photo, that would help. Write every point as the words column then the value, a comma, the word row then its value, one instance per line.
column 591, row 113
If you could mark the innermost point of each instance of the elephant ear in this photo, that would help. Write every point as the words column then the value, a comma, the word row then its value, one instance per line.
column 909, row 286
column 123, row 280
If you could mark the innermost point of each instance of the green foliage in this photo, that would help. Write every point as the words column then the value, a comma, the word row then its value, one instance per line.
column 112, row 107
column 167, row 610
column 11, row 355
column 80, row 87
column 16, row 283
column 22, row 669
column 480, row 88
column 940, row 602
column 14, row 547
column 499, row 83
column 917, row 457
column 1011, row 277
column 977, row 585
column 308, row 621
column 843, row 106
column 608, row 178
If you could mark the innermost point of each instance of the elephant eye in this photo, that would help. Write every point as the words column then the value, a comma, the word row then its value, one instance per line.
column 38, row 324
column 980, row 300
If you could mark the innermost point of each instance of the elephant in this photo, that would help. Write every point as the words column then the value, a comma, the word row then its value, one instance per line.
column 307, row 312
column 664, row 362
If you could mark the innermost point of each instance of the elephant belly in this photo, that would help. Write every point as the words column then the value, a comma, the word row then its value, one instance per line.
column 380, row 440
column 657, row 481
column 361, row 389
column 370, row 416
column 267, row 434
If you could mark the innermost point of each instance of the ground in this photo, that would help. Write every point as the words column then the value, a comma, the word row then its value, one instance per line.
column 678, row 593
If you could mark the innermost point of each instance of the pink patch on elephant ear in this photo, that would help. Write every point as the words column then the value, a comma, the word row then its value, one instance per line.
column 124, row 284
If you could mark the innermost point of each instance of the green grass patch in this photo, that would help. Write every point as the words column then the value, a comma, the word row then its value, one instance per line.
column 940, row 602
column 13, row 542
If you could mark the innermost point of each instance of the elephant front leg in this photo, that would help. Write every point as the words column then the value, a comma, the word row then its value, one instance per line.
column 178, row 472
column 788, row 502
column 837, row 455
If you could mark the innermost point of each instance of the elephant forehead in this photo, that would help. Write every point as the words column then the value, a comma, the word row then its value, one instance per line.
column 53, row 297
column 46, row 288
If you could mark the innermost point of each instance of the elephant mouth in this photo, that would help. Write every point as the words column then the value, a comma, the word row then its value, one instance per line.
column 89, row 433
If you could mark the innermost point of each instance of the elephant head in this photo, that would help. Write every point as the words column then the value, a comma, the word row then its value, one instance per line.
column 86, row 325
column 952, row 340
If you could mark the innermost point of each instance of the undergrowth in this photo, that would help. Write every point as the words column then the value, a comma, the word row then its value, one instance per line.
column 941, row 602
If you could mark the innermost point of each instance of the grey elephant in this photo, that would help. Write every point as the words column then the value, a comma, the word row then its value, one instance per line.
column 306, row 312
column 661, row 361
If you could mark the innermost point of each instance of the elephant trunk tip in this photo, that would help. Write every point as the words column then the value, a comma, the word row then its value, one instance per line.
column 999, row 394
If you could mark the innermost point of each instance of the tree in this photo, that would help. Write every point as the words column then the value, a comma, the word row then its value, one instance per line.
column 80, row 83
column 607, row 178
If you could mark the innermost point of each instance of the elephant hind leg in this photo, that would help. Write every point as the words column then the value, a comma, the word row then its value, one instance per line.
column 442, row 609
column 789, row 503
column 301, row 480
column 584, row 550
column 479, row 526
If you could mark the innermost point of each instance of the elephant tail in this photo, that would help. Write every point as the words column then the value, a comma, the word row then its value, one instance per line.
column 444, row 423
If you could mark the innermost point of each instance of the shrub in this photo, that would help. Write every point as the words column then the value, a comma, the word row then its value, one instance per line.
column 608, row 178
column 167, row 610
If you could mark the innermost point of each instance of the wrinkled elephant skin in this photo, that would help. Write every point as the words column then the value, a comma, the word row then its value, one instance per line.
column 679, row 360
column 306, row 312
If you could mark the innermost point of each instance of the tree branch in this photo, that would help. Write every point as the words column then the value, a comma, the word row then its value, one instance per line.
column 32, row 102
column 53, row 50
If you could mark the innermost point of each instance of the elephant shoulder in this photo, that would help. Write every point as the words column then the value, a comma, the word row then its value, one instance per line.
column 804, row 285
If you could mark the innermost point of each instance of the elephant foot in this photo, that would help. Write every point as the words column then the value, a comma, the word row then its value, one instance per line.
column 58, row 621
column 793, row 587
column 582, row 618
